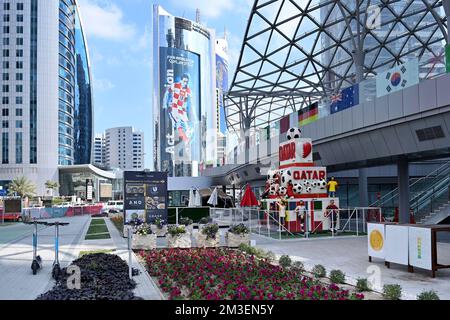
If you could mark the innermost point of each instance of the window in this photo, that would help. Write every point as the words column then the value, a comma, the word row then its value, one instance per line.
column 20, row 6
column 5, row 29
column 6, row 6
column 5, row 53
column 19, row 64
column 5, row 148
column 5, row 88
column 6, row 18
column 5, row 124
column 19, row 53
column 6, row 41
column 19, row 100
column 5, row 112
column 19, row 149
column 19, row 88
column 20, row 18
column 19, row 112
column 5, row 100
column 19, row 76
column 19, row 41
column 19, row 124
column 5, row 64
column 19, row 29
column 5, row 77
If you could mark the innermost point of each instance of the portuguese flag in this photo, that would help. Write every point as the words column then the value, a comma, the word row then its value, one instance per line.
column 308, row 115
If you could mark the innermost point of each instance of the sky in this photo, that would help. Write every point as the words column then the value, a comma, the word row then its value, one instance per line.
column 119, row 37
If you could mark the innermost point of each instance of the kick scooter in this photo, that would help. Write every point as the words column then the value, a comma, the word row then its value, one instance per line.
column 37, row 261
column 56, row 271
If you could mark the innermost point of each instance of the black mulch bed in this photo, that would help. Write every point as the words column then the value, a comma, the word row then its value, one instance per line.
column 103, row 277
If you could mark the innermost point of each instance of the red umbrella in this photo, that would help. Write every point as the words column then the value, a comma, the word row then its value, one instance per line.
column 249, row 198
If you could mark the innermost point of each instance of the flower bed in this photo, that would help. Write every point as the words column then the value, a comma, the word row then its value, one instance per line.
column 225, row 274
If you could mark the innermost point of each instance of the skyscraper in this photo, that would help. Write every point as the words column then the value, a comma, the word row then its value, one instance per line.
column 47, row 112
column 124, row 149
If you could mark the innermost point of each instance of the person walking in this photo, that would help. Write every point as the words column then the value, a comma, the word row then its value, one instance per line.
column 282, row 212
column 332, row 187
column 301, row 215
column 332, row 211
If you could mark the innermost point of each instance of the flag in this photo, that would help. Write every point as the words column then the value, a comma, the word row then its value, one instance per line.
column 213, row 199
column 347, row 98
column 308, row 115
column 398, row 78
column 284, row 125
column 265, row 133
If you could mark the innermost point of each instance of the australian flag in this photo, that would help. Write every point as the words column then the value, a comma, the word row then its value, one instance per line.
column 347, row 98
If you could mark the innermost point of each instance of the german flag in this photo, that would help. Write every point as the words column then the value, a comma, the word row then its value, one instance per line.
column 308, row 115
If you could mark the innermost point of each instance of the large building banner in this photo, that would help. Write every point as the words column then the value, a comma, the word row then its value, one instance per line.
column 222, row 86
column 180, row 106
column 145, row 196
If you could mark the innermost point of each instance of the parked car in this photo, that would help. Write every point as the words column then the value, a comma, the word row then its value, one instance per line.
column 113, row 206
column 17, row 216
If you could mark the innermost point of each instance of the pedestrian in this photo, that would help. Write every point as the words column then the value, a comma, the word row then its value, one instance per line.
column 332, row 187
column 332, row 211
column 282, row 212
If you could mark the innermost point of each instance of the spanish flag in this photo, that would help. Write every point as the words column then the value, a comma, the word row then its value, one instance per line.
column 308, row 115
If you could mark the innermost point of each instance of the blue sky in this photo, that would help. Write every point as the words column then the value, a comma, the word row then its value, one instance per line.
column 119, row 38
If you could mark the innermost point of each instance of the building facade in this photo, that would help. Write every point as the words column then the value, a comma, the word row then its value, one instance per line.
column 47, row 111
column 99, row 150
column 124, row 149
column 184, row 96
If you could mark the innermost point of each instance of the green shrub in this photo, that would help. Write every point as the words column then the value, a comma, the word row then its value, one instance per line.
column 428, row 295
column 337, row 276
column 319, row 271
column 285, row 261
column 176, row 230
column 270, row 256
column 362, row 285
column 204, row 220
column 144, row 230
column 186, row 221
column 298, row 266
column 239, row 229
column 392, row 291
column 210, row 230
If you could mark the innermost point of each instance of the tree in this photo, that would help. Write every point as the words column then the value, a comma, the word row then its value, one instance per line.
column 22, row 187
column 51, row 185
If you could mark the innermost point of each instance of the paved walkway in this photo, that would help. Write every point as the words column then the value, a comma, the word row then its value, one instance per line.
column 349, row 254
column 16, row 279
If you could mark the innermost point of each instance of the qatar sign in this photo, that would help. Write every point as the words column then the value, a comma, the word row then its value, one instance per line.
column 298, row 151
column 308, row 173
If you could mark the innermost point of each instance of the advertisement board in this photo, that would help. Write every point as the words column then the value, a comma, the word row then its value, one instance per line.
column 420, row 248
column 180, row 105
column 376, row 240
column 298, row 151
column 145, row 196
column 396, row 249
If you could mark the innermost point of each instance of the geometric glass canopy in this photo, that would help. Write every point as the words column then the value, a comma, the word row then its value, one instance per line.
column 298, row 52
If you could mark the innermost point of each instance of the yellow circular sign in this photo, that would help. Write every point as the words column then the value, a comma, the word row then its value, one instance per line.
column 376, row 240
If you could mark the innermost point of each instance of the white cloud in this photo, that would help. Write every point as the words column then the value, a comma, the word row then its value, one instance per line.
column 102, row 19
column 103, row 84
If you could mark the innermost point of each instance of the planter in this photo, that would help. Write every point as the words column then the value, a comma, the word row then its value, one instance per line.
column 159, row 232
column 179, row 241
column 147, row 242
column 203, row 242
column 233, row 240
column 189, row 229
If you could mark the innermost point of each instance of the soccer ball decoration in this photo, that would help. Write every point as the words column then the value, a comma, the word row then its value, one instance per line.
column 314, row 184
column 286, row 178
column 273, row 189
column 323, row 184
column 294, row 133
column 282, row 191
column 298, row 188
column 273, row 175
column 308, row 189
column 306, row 183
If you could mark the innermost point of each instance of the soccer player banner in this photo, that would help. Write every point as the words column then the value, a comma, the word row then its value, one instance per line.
column 398, row 78
column 347, row 98
column 180, row 104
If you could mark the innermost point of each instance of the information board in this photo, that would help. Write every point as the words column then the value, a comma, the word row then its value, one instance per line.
column 145, row 196
column 420, row 248
column 376, row 240
column 396, row 248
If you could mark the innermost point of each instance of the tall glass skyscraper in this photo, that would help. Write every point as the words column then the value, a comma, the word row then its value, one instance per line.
column 47, row 111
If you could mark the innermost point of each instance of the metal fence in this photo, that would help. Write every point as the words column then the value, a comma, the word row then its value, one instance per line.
column 351, row 222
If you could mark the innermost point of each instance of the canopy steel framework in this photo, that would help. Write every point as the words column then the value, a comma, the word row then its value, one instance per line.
column 296, row 52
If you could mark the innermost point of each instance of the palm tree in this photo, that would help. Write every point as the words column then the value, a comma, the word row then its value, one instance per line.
column 22, row 187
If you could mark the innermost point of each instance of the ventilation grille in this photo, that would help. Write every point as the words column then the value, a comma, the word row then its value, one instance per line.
column 431, row 133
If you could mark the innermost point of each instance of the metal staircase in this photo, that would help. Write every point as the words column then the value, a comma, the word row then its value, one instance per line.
column 429, row 197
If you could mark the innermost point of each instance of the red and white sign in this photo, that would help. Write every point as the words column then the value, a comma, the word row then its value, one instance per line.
column 308, row 173
column 296, row 152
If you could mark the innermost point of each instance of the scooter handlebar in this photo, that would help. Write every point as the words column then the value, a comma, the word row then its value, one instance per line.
column 37, row 222
column 58, row 224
